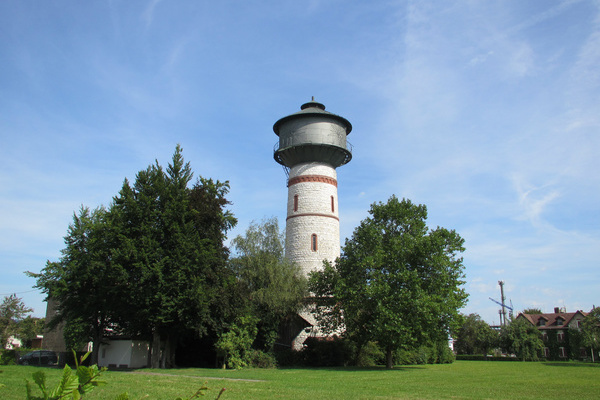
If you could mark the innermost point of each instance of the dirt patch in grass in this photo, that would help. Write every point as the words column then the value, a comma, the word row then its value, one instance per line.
column 196, row 377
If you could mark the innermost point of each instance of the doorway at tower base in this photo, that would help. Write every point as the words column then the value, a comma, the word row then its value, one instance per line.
column 299, row 327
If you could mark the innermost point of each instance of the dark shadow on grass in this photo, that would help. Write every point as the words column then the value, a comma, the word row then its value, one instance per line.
column 570, row 364
column 358, row 369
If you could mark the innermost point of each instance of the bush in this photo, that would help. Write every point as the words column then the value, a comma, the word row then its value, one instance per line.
column 370, row 355
column 8, row 357
column 481, row 357
column 330, row 352
column 434, row 354
column 445, row 355
column 260, row 359
column 288, row 358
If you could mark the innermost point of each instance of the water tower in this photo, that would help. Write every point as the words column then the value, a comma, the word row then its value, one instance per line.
column 312, row 144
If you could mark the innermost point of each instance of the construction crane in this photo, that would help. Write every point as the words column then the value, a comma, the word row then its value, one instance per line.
column 502, row 311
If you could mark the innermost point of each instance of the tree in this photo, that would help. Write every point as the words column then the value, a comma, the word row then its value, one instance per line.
column 590, row 329
column 532, row 311
column 12, row 312
column 86, row 283
column 475, row 336
column 29, row 328
column 523, row 339
column 171, row 245
column 271, row 286
column 397, row 282
column 153, row 265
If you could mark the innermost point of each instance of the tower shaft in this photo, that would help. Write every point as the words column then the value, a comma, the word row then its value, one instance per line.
column 312, row 144
column 312, row 223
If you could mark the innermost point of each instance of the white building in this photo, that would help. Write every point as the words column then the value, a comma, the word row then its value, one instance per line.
column 123, row 353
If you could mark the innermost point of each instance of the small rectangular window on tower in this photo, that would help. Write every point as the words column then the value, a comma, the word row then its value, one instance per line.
column 295, row 202
column 332, row 204
column 313, row 242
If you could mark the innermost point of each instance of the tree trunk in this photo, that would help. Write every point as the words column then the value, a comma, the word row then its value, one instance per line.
column 389, row 362
column 96, row 340
column 95, row 349
column 167, row 359
column 173, row 350
column 155, row 355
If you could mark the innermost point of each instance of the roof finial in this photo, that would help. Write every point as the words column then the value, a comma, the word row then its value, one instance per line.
column 313, row 98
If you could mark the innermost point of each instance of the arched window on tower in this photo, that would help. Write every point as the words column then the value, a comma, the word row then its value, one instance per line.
column 313, row 242
column 295, row 202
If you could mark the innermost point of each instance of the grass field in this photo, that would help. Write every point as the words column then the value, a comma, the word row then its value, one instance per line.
column 460, row 380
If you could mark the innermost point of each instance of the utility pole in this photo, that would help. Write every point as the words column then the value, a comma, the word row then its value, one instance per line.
column 502, row 300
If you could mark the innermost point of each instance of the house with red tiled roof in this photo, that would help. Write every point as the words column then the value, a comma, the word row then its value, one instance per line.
column 561, row 333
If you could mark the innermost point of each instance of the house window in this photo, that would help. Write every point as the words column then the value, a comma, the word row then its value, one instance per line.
column 559, row 321
column 313, row 242
column 582, row 352
column 560, row 336
column 544, row 336
column 295, row 202
column 562, row 353
column 332, row 204
column 546, row 352
column 542, row 322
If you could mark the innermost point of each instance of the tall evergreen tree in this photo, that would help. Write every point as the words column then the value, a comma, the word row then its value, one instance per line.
column 153, row 265
column 172, row 247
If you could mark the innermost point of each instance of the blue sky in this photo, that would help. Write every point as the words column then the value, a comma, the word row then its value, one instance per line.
column 488, row 112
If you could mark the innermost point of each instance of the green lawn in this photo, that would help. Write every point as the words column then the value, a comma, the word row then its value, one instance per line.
column 461, row 380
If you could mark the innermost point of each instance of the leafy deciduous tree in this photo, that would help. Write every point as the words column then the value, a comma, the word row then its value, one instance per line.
column 532, row 311
column 475, row 336
column 523, row 339
column 590, row 329
column 12, row 312
column 271, row 286
column 397, row 282
column 86, row 283
column 29, row 328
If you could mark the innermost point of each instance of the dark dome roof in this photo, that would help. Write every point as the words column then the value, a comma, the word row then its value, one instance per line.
column 310, row 109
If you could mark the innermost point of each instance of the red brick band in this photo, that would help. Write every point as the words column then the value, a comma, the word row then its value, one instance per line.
column 312, row 215
column 312, row 178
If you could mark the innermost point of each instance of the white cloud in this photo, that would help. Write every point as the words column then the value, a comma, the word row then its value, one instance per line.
column 148, row 13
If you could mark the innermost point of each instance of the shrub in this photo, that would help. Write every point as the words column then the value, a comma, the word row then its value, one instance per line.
column 445, row 355
column 260, row 359
column 330, row 352
column 8, row 357
column 438, row 353
column 370, row 355
column 288, row 358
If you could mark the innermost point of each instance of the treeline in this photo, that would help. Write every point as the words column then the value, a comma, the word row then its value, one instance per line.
column 153, row 265
column 519, row 337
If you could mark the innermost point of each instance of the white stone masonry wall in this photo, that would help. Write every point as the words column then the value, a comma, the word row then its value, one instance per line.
column 315, row 185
